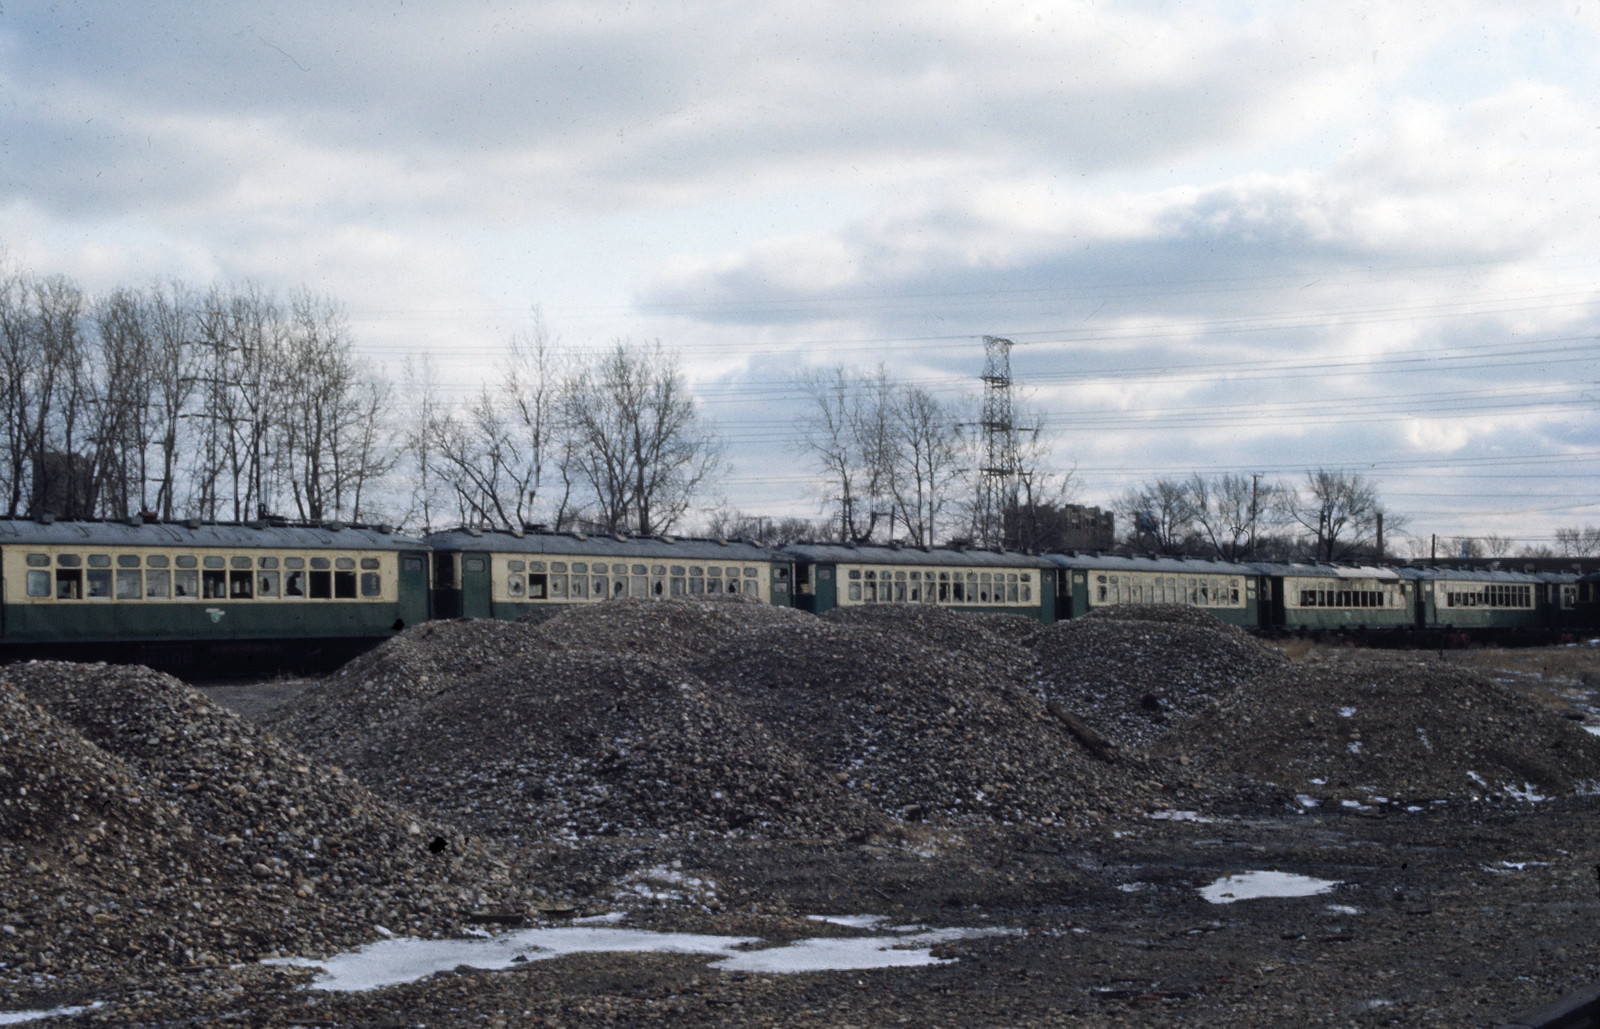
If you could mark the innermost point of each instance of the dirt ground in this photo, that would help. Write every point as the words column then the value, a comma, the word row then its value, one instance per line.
column 1454, row 915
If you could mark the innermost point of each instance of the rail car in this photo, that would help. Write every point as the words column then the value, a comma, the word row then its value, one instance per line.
column 843, row 575
column 1321, row 599
column 1494, row 605
column 174, row 592
column 486, row 573
column 1089, row 582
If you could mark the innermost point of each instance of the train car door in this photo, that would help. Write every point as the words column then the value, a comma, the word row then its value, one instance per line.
column 477, row 600
column 413, row 589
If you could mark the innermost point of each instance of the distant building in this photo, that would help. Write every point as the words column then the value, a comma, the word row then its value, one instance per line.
column 1052, row 527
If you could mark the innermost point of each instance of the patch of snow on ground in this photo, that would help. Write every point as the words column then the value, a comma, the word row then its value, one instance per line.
column 394, row 961
column 18, row 1017
column 1259, row 884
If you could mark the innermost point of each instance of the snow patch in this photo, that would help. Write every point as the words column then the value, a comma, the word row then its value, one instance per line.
column 1259, row 884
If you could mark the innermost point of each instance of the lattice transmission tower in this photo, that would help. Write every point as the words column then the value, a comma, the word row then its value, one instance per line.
column 999, row 474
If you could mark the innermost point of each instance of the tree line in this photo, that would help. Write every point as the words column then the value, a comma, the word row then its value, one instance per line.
column 237, row 403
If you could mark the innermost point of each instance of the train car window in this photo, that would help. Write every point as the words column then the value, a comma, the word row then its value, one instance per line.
column 369, row 564
column 752, row 588
column 69, row 560
column 267, row 583
column 658, row 569
column 580, row 586
column 127, row 560
column 411, row 564
column 558, row 587
column 344, row 564
column 99, row 560
column 129, row 584
column 99, row 584
column 240, row 561
column 658, row 585
column 38, row 560
column 599, row 586
column 715, row 572
column 157, row 584
column 517, row 566
column 320, row 583
column 294, row 562
column 618, row 585
column 516, row 583
column 38, row 583
column 322, row 564
column 294, row 584
column 537, row 584
column 371, row 584
column 580, row 568
column 678, row 584
column 344, row 585
column 241, row 583
column 268, row 562
column 558, row 566
column 185, row 582
column 854, row 592
column 638, row 585
column 69, row 584
column 213, row 584
column 213, row 562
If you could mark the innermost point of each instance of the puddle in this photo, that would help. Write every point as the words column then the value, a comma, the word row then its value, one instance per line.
column 1257, row 885
column 394, row 961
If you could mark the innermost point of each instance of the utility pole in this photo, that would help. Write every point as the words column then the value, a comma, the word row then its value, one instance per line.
column 998, row 474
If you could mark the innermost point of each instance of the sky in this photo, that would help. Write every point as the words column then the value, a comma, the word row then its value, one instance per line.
column 1224, row 236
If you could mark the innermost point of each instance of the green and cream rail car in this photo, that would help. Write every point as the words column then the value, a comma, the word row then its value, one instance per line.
column 1488, row 603
column 1329, row 598
column 165, row 584
column 488, row 573
column 830, row 575
column 1089, row 582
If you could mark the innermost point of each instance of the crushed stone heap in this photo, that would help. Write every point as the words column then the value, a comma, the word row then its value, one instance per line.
column 557, row 743
column 1401, row 730
column 693, row 716
column 1134, row 672
column 151, row 827
column 922, row 711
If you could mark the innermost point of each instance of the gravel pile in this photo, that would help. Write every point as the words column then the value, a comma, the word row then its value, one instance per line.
column 146, row 827
column 1135, row 672
column 555, row 743
column 1365, row 731
column 923, row 712
column 691, row 717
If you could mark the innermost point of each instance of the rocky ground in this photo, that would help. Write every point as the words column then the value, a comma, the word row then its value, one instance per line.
column 721, row 767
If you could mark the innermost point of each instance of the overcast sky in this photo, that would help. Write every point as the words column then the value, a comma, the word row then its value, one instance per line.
column 1225, row 236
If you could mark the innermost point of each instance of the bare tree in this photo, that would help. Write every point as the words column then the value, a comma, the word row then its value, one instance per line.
column 636, row 439
column 1339, row 514
column 1572, row 541
column 1233, row 512
column 923, row 457
column 1160, row 516
column 842, row 435
column 505, row 458
column 769, row 531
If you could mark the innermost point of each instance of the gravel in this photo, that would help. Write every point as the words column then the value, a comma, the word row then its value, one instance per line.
column 148, row 828
column 726, row 767
column 1136, row 673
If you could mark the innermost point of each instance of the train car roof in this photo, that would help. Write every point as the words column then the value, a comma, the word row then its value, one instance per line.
column 580, row 544
column 1318, row 570
column 1150, row 563
column 882, row 554
column 139, row 533
column 1434, row 573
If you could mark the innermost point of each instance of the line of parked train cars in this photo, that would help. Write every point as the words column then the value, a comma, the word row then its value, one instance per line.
column 173, row 592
